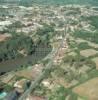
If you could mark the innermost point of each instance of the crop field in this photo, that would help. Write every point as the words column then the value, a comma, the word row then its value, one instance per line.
column 88, row 89
column 96, row 62
column 88, row 52
column 4, row 37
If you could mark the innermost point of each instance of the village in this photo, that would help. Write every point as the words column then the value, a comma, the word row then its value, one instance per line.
column 73, row 60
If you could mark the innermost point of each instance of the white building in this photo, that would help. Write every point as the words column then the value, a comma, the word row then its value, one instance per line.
column 5, row 23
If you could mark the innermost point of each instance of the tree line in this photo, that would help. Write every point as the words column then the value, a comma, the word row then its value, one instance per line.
column 10, row 48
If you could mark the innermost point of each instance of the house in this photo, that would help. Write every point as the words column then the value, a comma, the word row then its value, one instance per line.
column 22, row 85
column 32, row 97
column 5, row 23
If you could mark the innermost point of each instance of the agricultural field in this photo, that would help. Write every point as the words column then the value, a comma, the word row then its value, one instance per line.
column 96, row 61
column 88, row 89
column 88, row 52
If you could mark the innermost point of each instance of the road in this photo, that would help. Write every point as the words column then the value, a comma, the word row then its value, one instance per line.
column 46, row 71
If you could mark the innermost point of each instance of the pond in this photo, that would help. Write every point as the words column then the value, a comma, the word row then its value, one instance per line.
column 10, row 65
